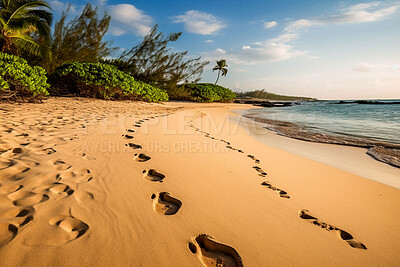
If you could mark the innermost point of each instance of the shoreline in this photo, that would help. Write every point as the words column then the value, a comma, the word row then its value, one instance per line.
column 385, row 152
column 84, row 181
column 348, row 158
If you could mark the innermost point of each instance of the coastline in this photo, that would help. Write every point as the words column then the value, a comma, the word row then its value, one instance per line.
column 385, row 152
column 208, row 164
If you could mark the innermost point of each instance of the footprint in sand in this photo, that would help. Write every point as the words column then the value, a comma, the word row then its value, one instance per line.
column 140, row 157
column 127, row 136
column 212, row 253
column 87, row 157
column 153, row 175
column 61, row 189
column 164, row 203
column 7, row 233
column 18, row 216
column 305, row 215
column 17, row 150
column 10, row 187
column 71, row 227
column 134, row 146
column 254, row 158
column 27, row 198
column 77, row 176
column 47, row 151
column 260, row 171
column 281, row 192
column 61, row 165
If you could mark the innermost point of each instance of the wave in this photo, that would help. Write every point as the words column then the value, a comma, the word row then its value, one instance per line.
column 382, row 151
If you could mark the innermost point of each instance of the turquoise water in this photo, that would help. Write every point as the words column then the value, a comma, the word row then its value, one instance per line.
column 373, row 122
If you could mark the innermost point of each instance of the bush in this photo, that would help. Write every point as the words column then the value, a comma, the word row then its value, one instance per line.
column 18, row 79
column 102, row 81
column 204, row 92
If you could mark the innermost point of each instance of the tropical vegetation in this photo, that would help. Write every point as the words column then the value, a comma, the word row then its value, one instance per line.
column 262, row 94
column 206, row 92
column 102, row 81
column 18, row 79
column 221, row 67
column 153, row 62
column 77, row 60
column 24, row 26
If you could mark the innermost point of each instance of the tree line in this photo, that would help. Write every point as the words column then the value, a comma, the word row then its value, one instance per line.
column 25, row 31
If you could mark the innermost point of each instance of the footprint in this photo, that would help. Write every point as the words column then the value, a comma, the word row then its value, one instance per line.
column 254, row 158
column 164, row 203
column 77, row 176
column 127, row 136
column 134, row 146
column 305, row 215
column 281, row 192
column 61, row 165
column 10, row 187
column 153, row 175
column 212, row 253
column 260, row 171
column 87, row 157
column 141, row 157
column 61, row 189
column 72, row 227
column 47, row 151
column 17, row 150
column 7, row 233
column 27, row 198
column 18, row 216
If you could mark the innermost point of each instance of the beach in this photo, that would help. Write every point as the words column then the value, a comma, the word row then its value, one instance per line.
column 97, row 183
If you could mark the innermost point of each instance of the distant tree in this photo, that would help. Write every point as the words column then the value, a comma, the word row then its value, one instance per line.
column 221, row 67
column 152, row 62
column 79, row 40
column 24, row 26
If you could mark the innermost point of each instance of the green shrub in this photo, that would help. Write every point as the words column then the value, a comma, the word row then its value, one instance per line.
column 102, row 81
column 17, row 78
column 206, row 92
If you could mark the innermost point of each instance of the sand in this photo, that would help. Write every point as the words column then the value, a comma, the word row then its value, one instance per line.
column 97, row 183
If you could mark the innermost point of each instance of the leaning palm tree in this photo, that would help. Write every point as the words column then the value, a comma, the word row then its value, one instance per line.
column 24, row 24
column 221, row 67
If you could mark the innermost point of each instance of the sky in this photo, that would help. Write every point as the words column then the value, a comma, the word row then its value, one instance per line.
column 324, row 49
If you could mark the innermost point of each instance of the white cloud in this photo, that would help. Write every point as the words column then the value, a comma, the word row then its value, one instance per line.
column 284, row 38
column 268, row 52
column 365, row 12
column 200, row 22
column 258, row 53
column 209, row 41
column 270, row 24
column 126, row 18
column 59, row 7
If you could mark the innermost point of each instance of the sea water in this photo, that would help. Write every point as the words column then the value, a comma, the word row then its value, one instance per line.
column 373, row 122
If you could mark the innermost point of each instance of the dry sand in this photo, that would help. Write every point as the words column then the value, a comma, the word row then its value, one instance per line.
column 97, row 183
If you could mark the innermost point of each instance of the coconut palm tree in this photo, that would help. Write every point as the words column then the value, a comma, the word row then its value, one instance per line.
column 24, row 24
column 221, row 67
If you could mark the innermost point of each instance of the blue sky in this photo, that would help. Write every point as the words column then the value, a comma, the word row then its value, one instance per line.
column 325, row 49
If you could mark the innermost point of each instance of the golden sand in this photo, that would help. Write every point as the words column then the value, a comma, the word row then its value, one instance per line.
column 98, row 183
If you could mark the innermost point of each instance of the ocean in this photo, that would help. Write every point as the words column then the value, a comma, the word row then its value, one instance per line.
column 378, row 122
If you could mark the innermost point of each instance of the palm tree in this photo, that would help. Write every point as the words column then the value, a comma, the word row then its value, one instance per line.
column 24, row 24
column 221, row 67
